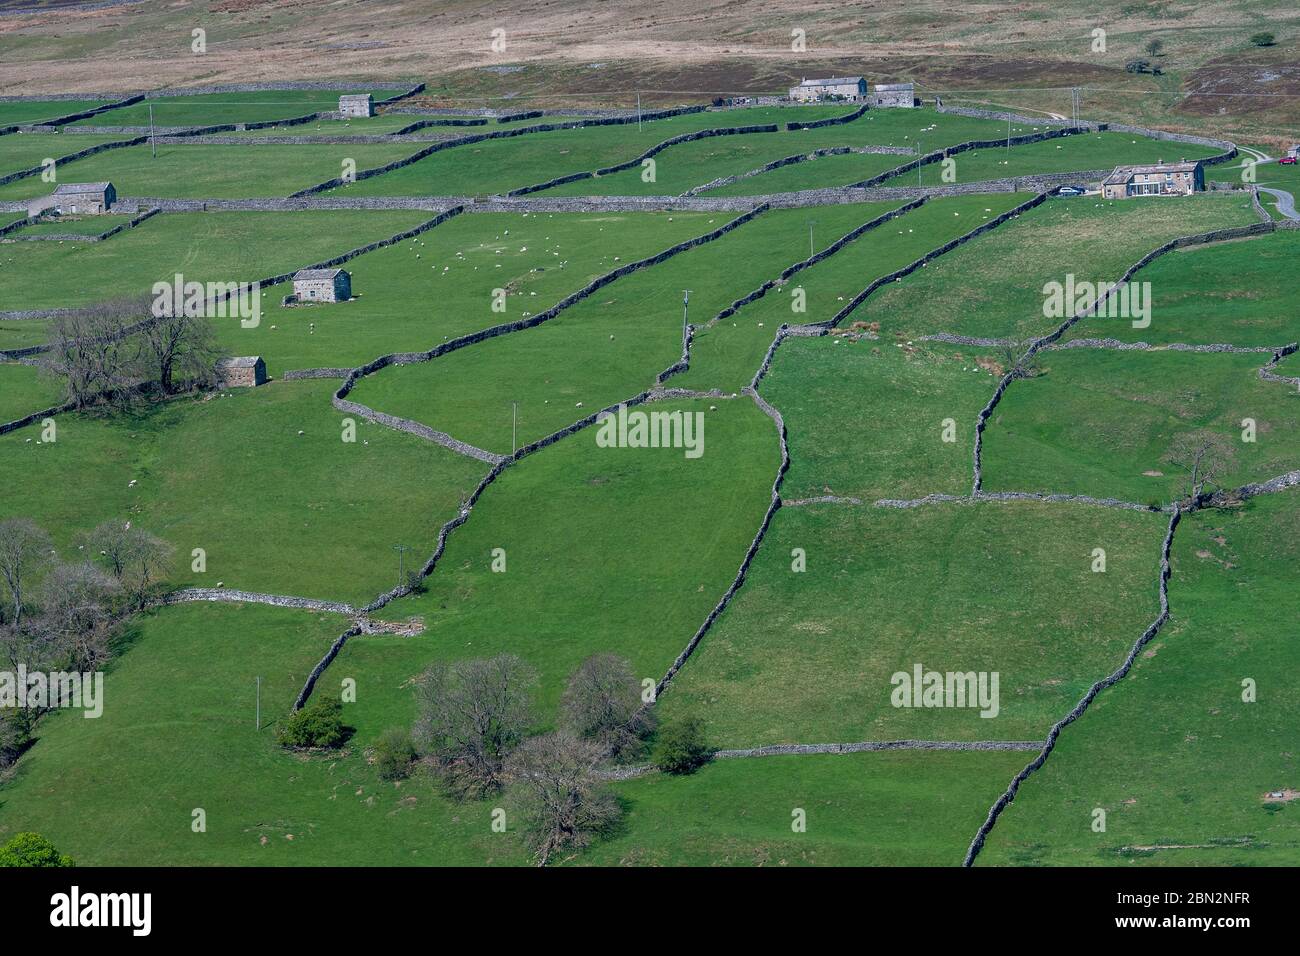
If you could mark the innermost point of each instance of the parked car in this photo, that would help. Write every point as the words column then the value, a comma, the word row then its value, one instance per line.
column 1287, row 160
column 1072, row 191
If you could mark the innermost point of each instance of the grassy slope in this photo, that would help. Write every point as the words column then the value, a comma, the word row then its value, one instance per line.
column 876, row 809
column 865, row 418
column 84, row 226
column 1240, row 293
column 204, row 171
column 179, row 725
column 274, row 510
column 23, row 151
column 607, row 549
column 727, row 354
column 414, row 295
column 36, row 111
column 1099, row 419
column 993, row 286
column 605, row 349
column 204, row 247
column 1172, row 753
column 807, row 657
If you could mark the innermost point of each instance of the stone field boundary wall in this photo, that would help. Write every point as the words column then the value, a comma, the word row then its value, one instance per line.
column 1215, row 235
column 798, row 158
column 73, row 236
column 71, row 157
column 830, row 121
column 652, row 151
column 71, row 117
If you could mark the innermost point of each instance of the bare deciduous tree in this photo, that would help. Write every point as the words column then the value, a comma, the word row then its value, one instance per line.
column 1205, row 455
column 472, row 715
column 602, row 703
column 179, row 351
column 76, row 603
column 558, row 796
column 24, row 547
column 137, row 559
column 95, row 355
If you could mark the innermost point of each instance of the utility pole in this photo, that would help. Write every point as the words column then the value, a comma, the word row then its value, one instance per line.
column 401, row 550
column 638, row 112
column 514, row 418
column 153, row 139
column 686, row 302
column 259, row 703
column 811, row 223
column 918, row 164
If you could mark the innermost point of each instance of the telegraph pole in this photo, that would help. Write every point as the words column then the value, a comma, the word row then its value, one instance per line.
column 259, row 703
column 401, row 550
column 514, row 417
column 153, row 138
column 686, row 303
column 638, row 112
column 811, row 223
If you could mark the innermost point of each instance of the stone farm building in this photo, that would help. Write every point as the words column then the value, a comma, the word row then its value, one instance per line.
column 1160, row 179
column 893, row 95
column 245, row 371
column 835, row 87
column 322, row 285
column 77, row 199
column 357, row 104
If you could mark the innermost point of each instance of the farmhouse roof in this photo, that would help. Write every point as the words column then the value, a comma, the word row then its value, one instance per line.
column 1123, row 174
column 240, row 361
column 66, row 188
column 316, row 274
column 892, row 87
column 833, row 81
column 355, row 96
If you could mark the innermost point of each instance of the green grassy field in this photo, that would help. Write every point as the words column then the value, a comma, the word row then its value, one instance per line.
column 274, row 510
column 1101, row 422
column 414, row 295
column 822, row 172
column 22, row 334
column 1085, row 151
column 73, row 226
column 514, row 162
column 36, row 111
column 873, row 809
column 212, row 109
column 607, row 549
column 179, row 722
column 993, row 286
column 23, row 151
column 866, row 417
column 1176, row 758
column 728, row 353
column 202, row 171
column 1239, row 293
column 807, row 657
column 23, row 390
column 203, row 247
column 627, row 333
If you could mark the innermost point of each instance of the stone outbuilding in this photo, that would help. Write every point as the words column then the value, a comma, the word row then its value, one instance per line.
column 76, row 199
column 889, row 95
column 357, row 104
column 851, row 88
column 1159, row 179
column 322, row 285
column 245, row 371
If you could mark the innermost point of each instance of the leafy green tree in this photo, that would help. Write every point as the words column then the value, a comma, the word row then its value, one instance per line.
column 32, row 849
column 319, row 724
column 1263, row 39
column 681, row 748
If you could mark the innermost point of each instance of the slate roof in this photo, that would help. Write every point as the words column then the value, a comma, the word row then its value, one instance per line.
column 316, row 274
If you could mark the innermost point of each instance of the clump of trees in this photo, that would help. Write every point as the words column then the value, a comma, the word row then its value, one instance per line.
column 116, row 354
column 60, row 615
column 1263, row 39
column 474, row 729
column 32, row 849
column 681, row 748
column 393, row 754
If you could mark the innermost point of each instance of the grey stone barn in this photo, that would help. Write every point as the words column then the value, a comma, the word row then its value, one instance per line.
column 357, row 104
column 245, row 371
column 322, row 285
column 892, row 95
column 76, row 199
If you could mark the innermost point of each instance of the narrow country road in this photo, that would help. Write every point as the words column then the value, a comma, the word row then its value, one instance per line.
column 1285, row 201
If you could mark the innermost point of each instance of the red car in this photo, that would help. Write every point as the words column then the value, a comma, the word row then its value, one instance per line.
column 1287, row 161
